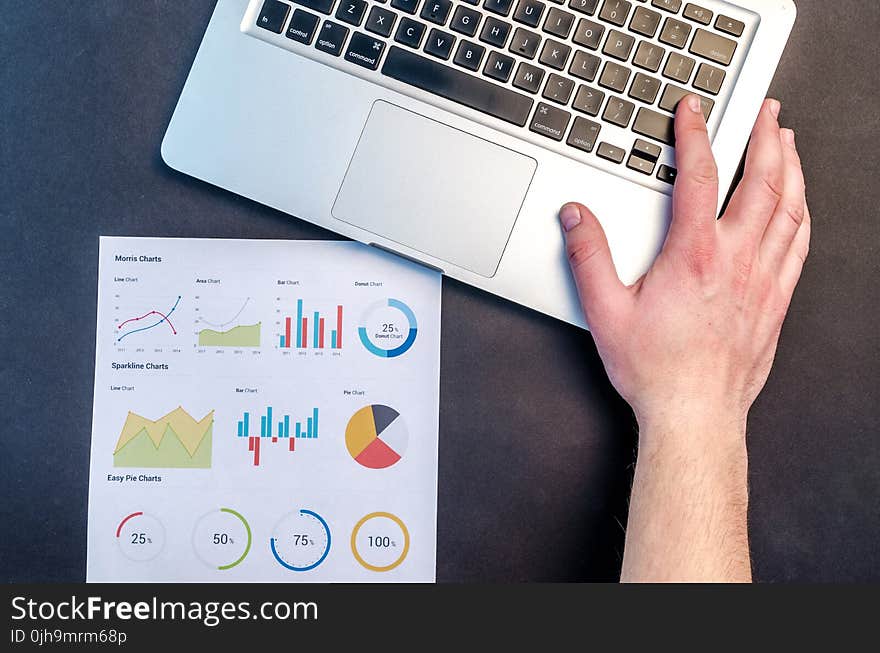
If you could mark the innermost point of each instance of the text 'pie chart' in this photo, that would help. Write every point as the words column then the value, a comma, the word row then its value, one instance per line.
column 376, row 436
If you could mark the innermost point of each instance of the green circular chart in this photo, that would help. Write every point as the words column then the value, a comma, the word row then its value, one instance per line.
column 222, row 539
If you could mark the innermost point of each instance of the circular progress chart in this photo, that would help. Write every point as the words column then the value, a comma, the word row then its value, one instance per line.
column 381, row 331
column 376, row 436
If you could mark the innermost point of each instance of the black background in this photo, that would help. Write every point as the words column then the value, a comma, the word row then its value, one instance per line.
column 536, row 449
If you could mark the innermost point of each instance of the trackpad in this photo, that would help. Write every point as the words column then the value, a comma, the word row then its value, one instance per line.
column 434, row 188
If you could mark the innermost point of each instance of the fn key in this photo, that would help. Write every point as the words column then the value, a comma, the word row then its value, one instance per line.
column 364, row 50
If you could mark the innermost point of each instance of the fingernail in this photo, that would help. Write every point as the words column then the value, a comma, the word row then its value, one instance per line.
column 775, row 108
column 570, row 217
column 694, row 104
column 788, row 137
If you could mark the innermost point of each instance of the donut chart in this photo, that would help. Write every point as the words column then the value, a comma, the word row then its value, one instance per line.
column 381, row 332
column 376, row 436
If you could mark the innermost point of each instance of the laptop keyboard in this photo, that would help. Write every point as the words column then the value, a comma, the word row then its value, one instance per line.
column 595, row 80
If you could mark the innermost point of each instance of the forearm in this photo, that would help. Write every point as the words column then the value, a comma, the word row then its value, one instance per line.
column 688, row 512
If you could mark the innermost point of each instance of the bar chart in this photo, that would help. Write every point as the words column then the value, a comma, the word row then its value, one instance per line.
column 309, row 330
column 273, row 432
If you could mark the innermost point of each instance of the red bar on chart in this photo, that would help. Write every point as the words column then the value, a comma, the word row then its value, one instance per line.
column 256, row 452
column 251, row 443
column 339, row 327
column 292, row 443
column 287, row 332
column 321, row 333
column 305, row 341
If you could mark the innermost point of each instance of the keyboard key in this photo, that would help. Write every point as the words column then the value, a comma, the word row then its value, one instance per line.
column 675, row 33
column 639, row 164
column 588, row 100
column 645, row 22
column 618, row 112
column 618, row 45
column 730, row 25
column 667, row 174
column 559, row 23
column 655, row 125
column 646, row 150
column 458, row 86
column 615, row 77
column 713, row 47
column 435, row 11
column 529, row 12
column 584, row 134
column 709, row 78
column 679, row 67
column 501, row 7
column 550, row 121
column 672, row 95
column 324, row 6
column 558, row 88
column 272, row 16
column 615, row 11
column 611, row 152
column 554, row 54
column 649, row 56
column 645, row 88
column 439, row 43
column 585, row 65
column 528, row 77
column 364, row 50
column 525, row 43
column 351, row 11
column 380, row 21
column 495, row 32
column 698, row 14
column 499, row 66
column 668, row 5
column 409, row 6
column 469, row 55
column 584, row 6
column 465, row 20
column 410, row 32
column 588, row 34
column 331, row 38
column 302, row 26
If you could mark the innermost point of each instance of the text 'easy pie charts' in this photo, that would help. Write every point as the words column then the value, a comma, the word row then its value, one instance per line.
column 388, row 328
column 376, row 436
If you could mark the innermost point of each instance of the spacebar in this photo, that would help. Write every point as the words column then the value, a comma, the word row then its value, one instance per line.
column 457, row 86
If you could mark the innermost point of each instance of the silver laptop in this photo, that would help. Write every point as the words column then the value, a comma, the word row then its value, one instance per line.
column 451, row 131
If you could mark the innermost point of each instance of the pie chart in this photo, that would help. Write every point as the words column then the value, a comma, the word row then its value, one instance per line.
column 376, row 436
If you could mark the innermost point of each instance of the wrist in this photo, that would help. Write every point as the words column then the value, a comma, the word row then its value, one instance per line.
column 700, row 427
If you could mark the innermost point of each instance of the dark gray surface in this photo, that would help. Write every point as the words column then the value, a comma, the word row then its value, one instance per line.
column 536, row 448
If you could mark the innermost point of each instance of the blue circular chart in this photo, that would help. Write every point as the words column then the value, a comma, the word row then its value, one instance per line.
column 300, row 541
column 382, row 332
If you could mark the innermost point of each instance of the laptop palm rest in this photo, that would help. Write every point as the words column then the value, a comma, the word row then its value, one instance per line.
column 434, row 189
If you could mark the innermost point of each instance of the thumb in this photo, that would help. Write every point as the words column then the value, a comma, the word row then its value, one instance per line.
column 600, row 289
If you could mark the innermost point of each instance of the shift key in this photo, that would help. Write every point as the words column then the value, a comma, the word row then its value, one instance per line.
column 655, row 125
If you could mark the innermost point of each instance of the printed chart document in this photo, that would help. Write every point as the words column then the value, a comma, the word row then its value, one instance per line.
column 264, row 411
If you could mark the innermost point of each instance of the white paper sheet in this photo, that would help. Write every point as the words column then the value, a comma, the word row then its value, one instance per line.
column 331, row 348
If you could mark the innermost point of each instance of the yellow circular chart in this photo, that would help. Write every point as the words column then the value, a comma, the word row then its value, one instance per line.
column 380, row 541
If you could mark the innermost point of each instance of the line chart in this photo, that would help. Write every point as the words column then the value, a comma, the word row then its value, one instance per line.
column 164, row 318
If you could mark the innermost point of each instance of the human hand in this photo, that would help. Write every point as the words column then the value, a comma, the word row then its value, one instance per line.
column 696, row 336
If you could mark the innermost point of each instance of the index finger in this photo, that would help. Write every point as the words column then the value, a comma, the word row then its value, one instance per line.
column 695, row 197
